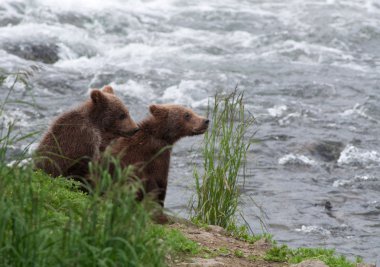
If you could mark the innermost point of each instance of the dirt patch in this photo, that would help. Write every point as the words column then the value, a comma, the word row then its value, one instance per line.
column 223, row 250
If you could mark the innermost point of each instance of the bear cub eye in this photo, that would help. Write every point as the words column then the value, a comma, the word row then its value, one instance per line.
column 187, row 116
column 123, row 116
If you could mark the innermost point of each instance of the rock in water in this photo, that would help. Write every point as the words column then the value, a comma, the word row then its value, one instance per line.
column 327, row 150
column 42, row 52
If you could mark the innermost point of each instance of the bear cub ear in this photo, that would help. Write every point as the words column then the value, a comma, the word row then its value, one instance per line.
column 98, row 97
column 158, row 110
column 108, row 89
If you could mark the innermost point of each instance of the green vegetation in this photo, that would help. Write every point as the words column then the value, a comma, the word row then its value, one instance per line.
column 242, row 232
column 328, row 256
column 224, row 152
column 176, row 242
column 239, row 253
column 223, row 251
column 49, row 222
column 253, row 258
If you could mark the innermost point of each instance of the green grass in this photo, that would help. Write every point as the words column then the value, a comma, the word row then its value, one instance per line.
column 48, row 222
column 253, row 258
column 243, row 233
column 224, row 153
column 285, row 254
column 239, row 232
column 238, row 253
column 176, row 242
column 44, row 223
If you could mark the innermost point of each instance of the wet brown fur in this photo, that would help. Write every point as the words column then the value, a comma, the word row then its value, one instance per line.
column 149, row 149
column 78, row 136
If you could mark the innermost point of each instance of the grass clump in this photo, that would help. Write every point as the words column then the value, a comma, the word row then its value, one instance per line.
column 176, row 241
column 49, row 222
column 242, row 232
column 224, row 152
column 285, row 254
column 45, row 222
column 253, row 258
column 238, row 253
column 224, row 251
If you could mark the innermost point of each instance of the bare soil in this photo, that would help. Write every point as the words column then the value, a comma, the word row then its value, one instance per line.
column 221, row 249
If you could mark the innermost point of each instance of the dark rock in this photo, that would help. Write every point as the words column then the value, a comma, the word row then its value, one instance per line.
column 73, row 18
column 6, row 19
column 42, row 52
column 327, row 150
column 328, row 205
column 64, row 82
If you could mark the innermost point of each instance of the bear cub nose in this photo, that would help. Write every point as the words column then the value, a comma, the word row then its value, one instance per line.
column 207, row 121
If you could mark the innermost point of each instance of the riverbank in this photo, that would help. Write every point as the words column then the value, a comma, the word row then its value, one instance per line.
column 49, row 222
column 219, row 248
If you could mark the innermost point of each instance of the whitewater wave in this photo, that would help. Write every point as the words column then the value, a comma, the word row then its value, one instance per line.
column 313, row 229
column 277, row 111
column 190, row 93
column 355, row 180
column 297, row 160
column 352, row 155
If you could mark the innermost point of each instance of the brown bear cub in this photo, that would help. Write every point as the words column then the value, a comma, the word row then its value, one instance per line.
column 78, row 136
column 149, row 149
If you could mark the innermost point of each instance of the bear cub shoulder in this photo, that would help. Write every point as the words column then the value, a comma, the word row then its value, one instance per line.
column 77, row 136
column 150, row 148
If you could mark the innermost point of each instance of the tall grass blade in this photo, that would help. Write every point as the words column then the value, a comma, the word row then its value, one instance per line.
column 225, row 148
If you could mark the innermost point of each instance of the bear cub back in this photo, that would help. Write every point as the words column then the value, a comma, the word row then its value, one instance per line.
column 149, row 149
column 79, row 135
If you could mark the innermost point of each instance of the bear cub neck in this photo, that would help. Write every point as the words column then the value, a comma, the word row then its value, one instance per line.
column 165, row 126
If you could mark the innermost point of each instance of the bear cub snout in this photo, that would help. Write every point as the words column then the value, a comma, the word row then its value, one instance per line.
column 151, row 146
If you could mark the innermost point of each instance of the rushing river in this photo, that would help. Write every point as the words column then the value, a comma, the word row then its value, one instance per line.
column 310, row 70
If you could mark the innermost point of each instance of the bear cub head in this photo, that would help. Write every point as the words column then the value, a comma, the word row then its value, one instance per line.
column 178, row 121
column 110, row 114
